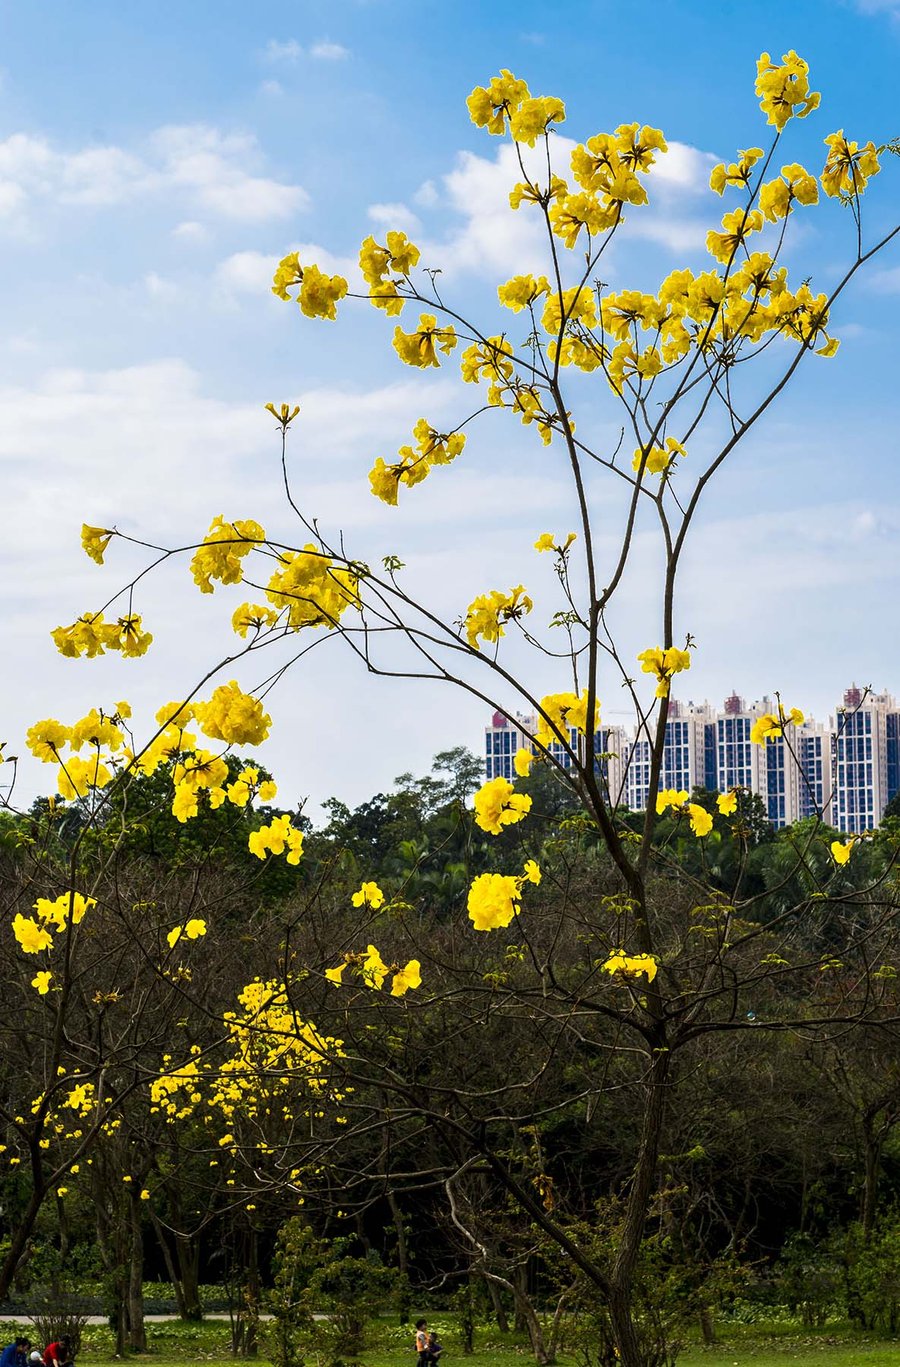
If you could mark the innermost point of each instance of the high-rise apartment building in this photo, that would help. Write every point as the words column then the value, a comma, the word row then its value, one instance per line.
column 845, row 772
column 865, row 759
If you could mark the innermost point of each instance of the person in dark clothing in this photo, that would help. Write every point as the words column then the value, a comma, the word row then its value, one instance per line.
column 435, row 1348
column 15, row 1354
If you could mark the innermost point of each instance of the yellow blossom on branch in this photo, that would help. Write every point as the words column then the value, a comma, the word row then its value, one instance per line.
column 848, row 167
column 784, row 90
column 770, row 726
column 193, row 929
column 665, row 664
column 233, row 716
column 487, row 615
column 522, row 761
column 369, row 895
column 94, row 541
column 223, row 550
column 727, row 802
column 405, row 978
column 561, row 711
column 276, row 838
column 419, row 348
column 632, row 965
column 495, row 898
column 497, row 805
column 841, row 850
column 31, row 937
column 41, row 981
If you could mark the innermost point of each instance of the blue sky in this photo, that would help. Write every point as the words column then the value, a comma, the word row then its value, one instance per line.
column 156, row 161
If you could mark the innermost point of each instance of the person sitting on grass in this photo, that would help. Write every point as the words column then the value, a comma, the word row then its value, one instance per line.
column 14, row 1354
column 59, row 1354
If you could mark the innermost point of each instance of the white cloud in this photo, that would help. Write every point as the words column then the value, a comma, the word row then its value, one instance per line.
column 427, row 195
column 886, row 281
column 395, row 216
column 287, row 51
column 329, row 52
column 191, row 232
column 158, row 287
column 274, row 90
column 195, row 162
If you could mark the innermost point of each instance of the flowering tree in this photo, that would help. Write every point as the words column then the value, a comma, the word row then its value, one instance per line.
column 692, row 367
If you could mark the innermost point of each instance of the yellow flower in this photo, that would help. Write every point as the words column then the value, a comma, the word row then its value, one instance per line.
column 145, row 1195
column 795, row 185
column 631, row 965
column 545, row 542
column 232, row 716
column 487, row 614
column 334, row 974
column 658, row 459
column 253, row 617
column 57, row 912
column 46, row 738
column 373, row 967
column 840, row 850
column 701, row 819
column 727, row 802
column 738, row 173
column 418, row 348
column 736, row 227
column 664, row 664
column 278, row 836
column 522, row 291
column 61, row 1191
column 531, row 872
column 184, row 803
column 194, row 929
column 224, row 547
column 493, row 900
column 405, row 978
column 532, row 118
column 318, row 293
column 94, row 541
column 848, row 166
column 670, row 797
column 770, row 727
column 42, row 982
column 522, row 761
column 561, row 711
column 488, row 106
column 784, row 90
column 497, row 805
column 369, row 895
column 32, row 938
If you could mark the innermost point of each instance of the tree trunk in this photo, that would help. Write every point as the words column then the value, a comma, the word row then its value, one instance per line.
column 707, row 1327
column 168, row 1260
column 498, row 1306
column 19, row 1239
column 188, row 1249
column 872, row 1157
column 137, row 1334
column 642, row 1183
column 535, row 1332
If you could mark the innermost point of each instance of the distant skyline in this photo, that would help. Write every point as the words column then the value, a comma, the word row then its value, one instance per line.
column 153, row 168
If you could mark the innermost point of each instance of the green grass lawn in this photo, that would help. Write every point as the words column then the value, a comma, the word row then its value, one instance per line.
column 172, row 1344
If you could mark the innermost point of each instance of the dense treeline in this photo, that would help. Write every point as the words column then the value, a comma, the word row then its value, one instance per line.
column 486, row 1125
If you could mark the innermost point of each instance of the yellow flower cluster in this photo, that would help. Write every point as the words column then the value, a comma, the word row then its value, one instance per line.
column 848, row 167
column 312, row 588
column 547, row 542
column 497, row 805
column 495, row 898
column 664, row 664
column 795, row 185
column 419, row 348
column 279, row 836
column 487, row 615
column 522, row 291
column 631, row 965
column 727, row 802
column 368, row 895
column 508, row 99
column 90, row 635
column 559, row 712
column 432, row 448
column 192, row 929
column 373, row 971
column 841, row 850
column 377, row 263
column 318, row 293
column 94, row 541
column 48, row 739
column 232, row 716
column 701, row 821
column 771, row 725
column 658, row 459
column 34, row 934
column 783, row 90
column 223, row 550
